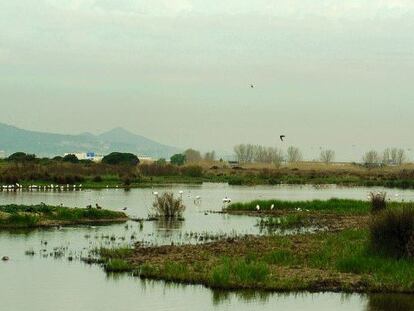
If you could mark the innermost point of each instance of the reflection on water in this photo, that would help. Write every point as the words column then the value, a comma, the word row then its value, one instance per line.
column 388, row 302
column 40, row 282
column 167, row 225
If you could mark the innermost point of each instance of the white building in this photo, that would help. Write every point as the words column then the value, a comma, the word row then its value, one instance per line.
column 92, row 156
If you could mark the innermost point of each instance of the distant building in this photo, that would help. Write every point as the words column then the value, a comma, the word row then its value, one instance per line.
column 92, row 156
column 145, row 159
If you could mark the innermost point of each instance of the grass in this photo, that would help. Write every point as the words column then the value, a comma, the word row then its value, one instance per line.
column 99, row 175
column 338, row 206
column 117, row 265
column 22, row 216
column 230, row 272
column 341, row 261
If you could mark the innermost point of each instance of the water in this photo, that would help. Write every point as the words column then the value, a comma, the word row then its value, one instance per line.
column 43, row 282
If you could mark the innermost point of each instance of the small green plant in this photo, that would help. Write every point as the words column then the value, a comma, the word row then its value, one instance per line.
column 118, row 265
column 392, row 232
column 378, row 201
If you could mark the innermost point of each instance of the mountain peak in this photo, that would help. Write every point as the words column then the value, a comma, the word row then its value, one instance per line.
column 13, row 139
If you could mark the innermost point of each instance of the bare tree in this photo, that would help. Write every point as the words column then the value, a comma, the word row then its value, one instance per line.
column 386, row 156
column 294, row 155
column 192, row 155
column 244, row 153
column 210, row 156
column 371, row 158
column 264, row 154
column 394, row 156
column 327, row 156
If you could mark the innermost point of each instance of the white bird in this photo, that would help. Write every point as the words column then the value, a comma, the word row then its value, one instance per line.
column 272, row 207
column 226, row 200
column 257, row 207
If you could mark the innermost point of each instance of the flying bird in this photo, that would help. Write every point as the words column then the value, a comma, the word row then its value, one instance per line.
column 282, row 137
column 251, row 85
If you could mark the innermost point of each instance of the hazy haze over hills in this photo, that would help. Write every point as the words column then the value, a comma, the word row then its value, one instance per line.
column 13, row 139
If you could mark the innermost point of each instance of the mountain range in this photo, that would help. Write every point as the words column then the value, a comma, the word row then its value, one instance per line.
column 13, row 139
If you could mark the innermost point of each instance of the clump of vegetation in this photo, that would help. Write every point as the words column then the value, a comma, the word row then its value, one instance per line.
column 26, row 216
column 178, row 159
column 119, row 158
column 392, row 232
column 343, row 206
column 378, row 201
column 70, row 158
column 166, row 206
column 117, row 265
column 241, row 272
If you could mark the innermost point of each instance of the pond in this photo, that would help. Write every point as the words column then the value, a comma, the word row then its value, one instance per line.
column 48, row 280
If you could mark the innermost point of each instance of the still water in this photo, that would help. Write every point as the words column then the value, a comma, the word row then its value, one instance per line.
column 47, row 280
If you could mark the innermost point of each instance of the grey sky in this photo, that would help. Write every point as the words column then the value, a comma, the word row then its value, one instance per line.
column 327, row 73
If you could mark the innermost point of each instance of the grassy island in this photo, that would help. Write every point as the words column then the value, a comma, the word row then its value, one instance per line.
column 30, row 216
column 363, row 248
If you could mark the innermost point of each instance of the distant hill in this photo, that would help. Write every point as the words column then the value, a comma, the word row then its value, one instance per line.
column 13, row 139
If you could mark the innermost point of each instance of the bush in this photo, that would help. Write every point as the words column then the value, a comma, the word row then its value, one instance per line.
column 178, row 159
column 155, row 169
column 21, row 157
column 392, row 232
column 192, row 171
column 378, row 201
column 71, row 158
column 119, row 158
column 97, row 178
column 167, row 206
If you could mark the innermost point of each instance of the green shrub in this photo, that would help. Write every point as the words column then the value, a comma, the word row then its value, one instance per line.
column 378, row 201
column 392, row 232
column 192, row 171
column 178, row 159
column 119, row 158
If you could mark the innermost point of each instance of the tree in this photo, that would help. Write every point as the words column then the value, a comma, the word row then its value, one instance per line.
column 327, row 156
column 294, row 155
column 371, row 158
column 70, row 158
column 394, row 156
column 21, row 157
column 119, row 158
column 244, row 153
column 161, row 161
column 192, row 155
column 210, row 156
column 178, row 159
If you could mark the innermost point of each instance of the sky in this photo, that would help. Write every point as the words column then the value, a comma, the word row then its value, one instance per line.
column 327, row 74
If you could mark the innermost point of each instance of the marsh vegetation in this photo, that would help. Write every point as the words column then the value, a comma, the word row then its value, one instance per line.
column 28, row 216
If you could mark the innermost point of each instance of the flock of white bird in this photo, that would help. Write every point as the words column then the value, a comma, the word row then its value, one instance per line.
column 52, row 187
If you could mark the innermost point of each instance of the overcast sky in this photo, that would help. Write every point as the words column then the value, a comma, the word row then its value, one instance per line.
column 327, row 73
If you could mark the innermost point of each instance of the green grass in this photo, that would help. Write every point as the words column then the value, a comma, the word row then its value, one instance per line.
column 40, row 215
column 341, row 206
column 349, row 252
column 319, row 262
column 118, row 265
column 114, row 253
column 230, row 272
